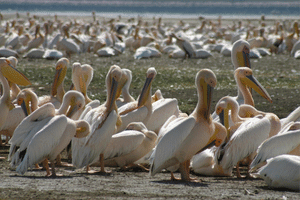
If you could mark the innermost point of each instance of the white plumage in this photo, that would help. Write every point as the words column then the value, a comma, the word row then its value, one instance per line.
column 282, row 172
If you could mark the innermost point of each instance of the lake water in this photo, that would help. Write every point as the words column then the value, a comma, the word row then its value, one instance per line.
column 171, row 9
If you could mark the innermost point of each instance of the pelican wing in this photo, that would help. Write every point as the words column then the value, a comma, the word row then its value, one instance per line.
column 164, row 153
column 87, row 150
column 137, row 115
column 161, row 111
column 43, row 142
column 282, row 172
column 245, row 141
column 29, row 126
column 123, row 143
column 276, row 145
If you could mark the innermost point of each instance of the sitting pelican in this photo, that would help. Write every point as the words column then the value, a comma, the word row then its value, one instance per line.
column 281, row 172
column 57, row 133
column 72, row 102
column 282, row 143
column 191, row 134
column 8, row 74
column 129, row 145
column 103, row 121
column 57, row 91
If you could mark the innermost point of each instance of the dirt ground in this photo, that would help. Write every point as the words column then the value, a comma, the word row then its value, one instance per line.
column 273, row 72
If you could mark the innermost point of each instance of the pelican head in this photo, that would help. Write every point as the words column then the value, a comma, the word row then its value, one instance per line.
column 72, row 102
column 151, row 73
column 205, row 82
column 240, row 56
column 244, row 74
column 61, row 71
column 12, row 74
column 113, row 78
column 222, row 109
column 24, row 97
column 13, row 61
column 82, row 128
column 139, row 126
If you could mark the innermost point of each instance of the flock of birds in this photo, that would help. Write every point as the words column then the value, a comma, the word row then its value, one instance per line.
column 150, row 130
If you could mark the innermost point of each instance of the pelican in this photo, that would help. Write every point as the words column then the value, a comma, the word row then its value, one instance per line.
column 190, row 135
column 246, row 139
column 57, row 91
column 82, row 76
column 244, row 77
column 153, row 115
column 129, row 145
column 146, row 52
column 72, row 102
column 186, row 46
column 103, row 121
column 8, row 73
column 282, row 172
column 49, row 141
column 278, row 144
column 292, row 117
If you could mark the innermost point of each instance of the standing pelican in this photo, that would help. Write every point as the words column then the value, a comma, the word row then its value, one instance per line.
column 49, row 141
column 190, row 135
column 103, row 121
column 8, row 73
column 72, row 102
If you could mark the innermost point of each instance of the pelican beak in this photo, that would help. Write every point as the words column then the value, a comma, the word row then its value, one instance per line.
column 207, row 99
column 73, row 109
column 145, row 91
column 25, row 108
column 112, row 96
column 221, row 117
column 72, row 87
column 56, row 81
column 246, row 56
column 243, row 57
column 13, row 75
column 81, row 132
column 253, row 83
column 121, row 84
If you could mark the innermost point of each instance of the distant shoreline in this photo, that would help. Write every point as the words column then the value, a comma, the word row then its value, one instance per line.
column 172, row 8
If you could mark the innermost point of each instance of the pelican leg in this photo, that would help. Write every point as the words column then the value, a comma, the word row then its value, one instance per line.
column 102, row 171
column 58, row 160
column 46, row 166
column 173, row 178
column 53, row 169
column 184, row 169
column 248, row 175
column 37, row 166
column 238, row 174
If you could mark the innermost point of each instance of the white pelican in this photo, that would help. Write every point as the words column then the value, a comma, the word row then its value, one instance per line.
column 146, row 52
column 153, row 115
column 185, row 45
column 50, row 140
column 5, row 52
column 246, row 139
column 292, row 117
column 57, row 91
column 8, row 73
column 244, row 78
column 103, row 121
column 34, row 53
column 72, row 102
column 37, row 40
column 279, row 144
column 52, row 54
column 129, row 145
column 282, row 172
column 190, row 135
column 125, row 90
column 82, row 76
